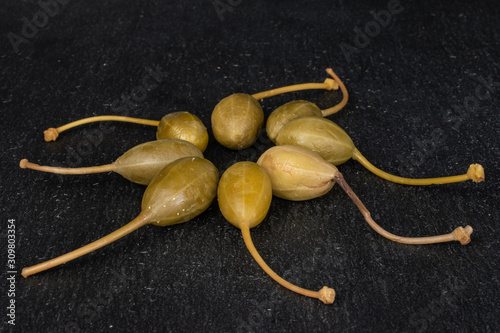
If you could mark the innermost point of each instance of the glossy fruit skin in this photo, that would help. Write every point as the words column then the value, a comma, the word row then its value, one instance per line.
column 297, row 173
column 320, row 135
column 181, row 191
column 142, row 162
column 237, row 121
column 185, row 126
column 288, row 112
column 244, row 194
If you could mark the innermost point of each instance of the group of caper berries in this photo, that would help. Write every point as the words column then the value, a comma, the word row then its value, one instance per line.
column 182, row 184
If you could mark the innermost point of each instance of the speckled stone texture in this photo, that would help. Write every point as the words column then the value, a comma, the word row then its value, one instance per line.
column 424, row 84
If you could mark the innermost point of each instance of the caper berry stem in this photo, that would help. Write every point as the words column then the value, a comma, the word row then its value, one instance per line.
column 475, row 173
column 25, row 164
column 141, row 220
column 345, row 95
column 328, row 84
column 326, row 295
column 459, row 234
column 52, row 133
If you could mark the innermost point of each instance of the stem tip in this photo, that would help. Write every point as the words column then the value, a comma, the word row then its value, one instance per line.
column 23, row 163
column 51, row 134
column 331, row 84
column 462, row 234
column 476, row 172
column 326, row 295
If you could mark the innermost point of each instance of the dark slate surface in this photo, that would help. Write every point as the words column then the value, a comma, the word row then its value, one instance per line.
column 424, row 95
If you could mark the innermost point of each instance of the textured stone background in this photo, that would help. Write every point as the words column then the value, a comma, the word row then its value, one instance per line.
column 424, row 93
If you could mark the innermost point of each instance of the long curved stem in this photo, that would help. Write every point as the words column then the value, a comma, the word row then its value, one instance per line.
column 328, row 84
column 326, row 295
column 345, row 95
column 139, row 221
column 25, row 164
column 475, row 173
column 52, row 133
column 459, row 234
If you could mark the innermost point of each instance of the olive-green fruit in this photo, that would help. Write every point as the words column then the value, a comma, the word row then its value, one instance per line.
column 335, row 146
column 297, row 173
column 237, row 121
column 181, row 191
column 286, row 113
column 244, row 194
column 139, row 164
column 185, row 126
column 320, row 135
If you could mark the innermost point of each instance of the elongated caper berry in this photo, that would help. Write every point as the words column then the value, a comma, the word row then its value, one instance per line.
column 182, row 190
column 320, row 135
column 139, row 164
column 326, row 138
column 244, row 195
column 297, row 173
